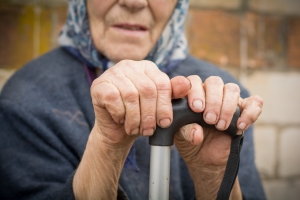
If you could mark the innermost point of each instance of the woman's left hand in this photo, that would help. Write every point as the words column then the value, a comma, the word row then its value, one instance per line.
column 207, row 157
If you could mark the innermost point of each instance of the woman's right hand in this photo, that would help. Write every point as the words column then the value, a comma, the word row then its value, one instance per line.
column 129, row 99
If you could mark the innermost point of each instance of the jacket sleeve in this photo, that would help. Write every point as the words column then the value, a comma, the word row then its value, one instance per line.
column 31, row 167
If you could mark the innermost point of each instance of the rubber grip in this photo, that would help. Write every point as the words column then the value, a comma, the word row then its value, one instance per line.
column 183, row 115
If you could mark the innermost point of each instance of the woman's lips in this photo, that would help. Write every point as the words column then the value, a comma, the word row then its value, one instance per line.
column 131, row 27
column 130, row 30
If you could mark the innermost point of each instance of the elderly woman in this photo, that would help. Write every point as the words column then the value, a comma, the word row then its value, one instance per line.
column 66, row 134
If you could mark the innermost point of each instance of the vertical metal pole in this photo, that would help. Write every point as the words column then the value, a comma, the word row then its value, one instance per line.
column 159, row 172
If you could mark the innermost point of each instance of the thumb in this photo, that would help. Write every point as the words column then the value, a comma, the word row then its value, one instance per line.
column 192, row 133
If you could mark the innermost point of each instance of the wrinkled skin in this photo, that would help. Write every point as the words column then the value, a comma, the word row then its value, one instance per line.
column 126, row 107
column 108, row 20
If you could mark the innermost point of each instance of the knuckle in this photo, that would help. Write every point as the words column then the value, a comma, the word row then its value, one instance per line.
column 215, row 80
column 117, row 112
column 214, row 102
column 164, row 104
column 149, row 63
column 194, row 77
column 131, row 96
column 148, row 120
column 127, row 63
column 95, row 92
column 232, row 87
column 182, row 81
column 110, row 96
column 227, row 112
column 95, row 85
column 164, row 110
column 114, row 72
column 259, row 101
column 251, row 115
column 148, row 89
column 252, row 118
column 163, row 85
column 134, row 122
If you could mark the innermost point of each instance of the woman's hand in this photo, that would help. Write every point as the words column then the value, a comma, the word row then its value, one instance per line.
column 129, row 99
column 207, row 157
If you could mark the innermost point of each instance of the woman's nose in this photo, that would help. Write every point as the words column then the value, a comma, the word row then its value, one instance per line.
column 133, row 5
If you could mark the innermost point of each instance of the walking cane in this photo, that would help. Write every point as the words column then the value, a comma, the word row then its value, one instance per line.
column 160, row 151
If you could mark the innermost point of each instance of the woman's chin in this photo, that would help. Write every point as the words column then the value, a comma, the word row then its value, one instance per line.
column 127, row 54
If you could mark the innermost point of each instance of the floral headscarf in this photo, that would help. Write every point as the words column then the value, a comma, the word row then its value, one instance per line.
column 170, row 49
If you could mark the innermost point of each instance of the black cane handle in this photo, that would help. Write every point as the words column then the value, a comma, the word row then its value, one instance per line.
column 183, row 115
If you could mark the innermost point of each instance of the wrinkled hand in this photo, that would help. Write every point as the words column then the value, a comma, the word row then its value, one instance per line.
column 207, row 157
column 131, row 98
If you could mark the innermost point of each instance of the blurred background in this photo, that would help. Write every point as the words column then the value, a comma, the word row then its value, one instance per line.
column 258, row 41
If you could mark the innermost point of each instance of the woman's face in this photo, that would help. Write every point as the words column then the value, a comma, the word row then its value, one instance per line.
column 127, row 29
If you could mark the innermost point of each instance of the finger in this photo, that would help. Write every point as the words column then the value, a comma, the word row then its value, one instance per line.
column 196, row 96
column 192, row 133
column 180, row 86
column 130, row 98
column 213, row 87
column 251, row 108
column 108, row 96
column 148, row 95
column 146, row 91
column 164, row 111
column 231, row 96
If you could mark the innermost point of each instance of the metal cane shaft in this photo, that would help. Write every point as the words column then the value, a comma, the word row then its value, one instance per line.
column 159, row 172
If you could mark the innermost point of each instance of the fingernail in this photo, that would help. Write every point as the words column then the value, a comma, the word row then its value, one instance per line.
column 211, row 117
column 148, row 132
column 198, row 104
column 242, row 125
column 135, row 131
column 221, row 124
column 165, row 122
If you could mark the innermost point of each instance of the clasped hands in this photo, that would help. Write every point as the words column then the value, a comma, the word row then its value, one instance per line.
column 132, row 97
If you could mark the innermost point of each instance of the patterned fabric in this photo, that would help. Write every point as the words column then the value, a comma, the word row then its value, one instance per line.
column 170, row 49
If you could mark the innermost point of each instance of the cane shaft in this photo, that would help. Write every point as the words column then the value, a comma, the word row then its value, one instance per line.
column 159, row 172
